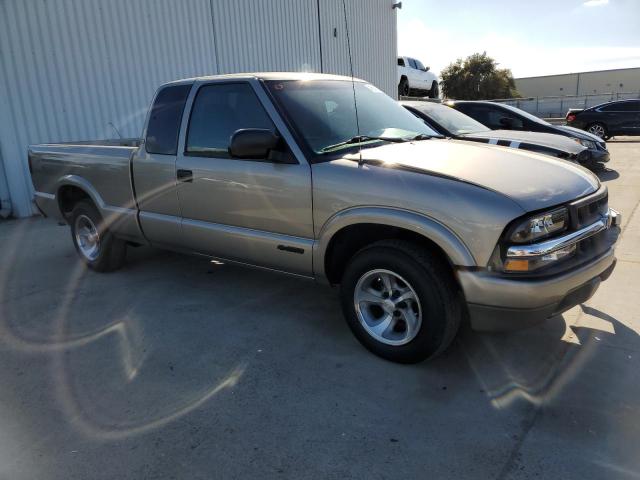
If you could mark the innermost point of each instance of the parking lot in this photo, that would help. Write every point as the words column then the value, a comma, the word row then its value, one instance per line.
column 178, row 367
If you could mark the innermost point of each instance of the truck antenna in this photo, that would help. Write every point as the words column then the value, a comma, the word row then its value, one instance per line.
column 353, row 82
column 114, row 127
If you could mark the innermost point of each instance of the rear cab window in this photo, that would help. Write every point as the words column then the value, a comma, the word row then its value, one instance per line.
column 163, row 128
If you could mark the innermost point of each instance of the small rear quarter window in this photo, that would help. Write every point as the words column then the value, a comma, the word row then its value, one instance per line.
column 164, row 122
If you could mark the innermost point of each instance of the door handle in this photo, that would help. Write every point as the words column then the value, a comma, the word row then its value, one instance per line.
column 185, row 175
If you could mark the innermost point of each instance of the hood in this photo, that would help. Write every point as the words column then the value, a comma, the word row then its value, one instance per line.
column 551, row 140
column 531, row 180
column 576, row 132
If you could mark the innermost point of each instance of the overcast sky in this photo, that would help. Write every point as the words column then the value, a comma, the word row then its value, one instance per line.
column 537, row 37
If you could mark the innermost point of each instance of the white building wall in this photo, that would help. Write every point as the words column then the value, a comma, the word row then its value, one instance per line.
column 623, row 80
column 86, row 69
column 257, row 36
column 373, row 35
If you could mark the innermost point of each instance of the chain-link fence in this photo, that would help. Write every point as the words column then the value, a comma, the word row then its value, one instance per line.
column 557, row 106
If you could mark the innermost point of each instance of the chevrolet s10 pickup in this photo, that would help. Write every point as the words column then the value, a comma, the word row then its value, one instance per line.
column 328, row 178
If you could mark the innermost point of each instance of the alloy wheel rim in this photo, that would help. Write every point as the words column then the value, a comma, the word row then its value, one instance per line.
column 87, row 237
column 597, row 130
column 387, row 307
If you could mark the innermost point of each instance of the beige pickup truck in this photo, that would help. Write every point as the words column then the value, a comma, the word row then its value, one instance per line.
column 281, row 171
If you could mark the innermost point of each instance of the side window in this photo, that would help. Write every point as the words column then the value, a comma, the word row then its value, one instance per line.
column 218, row 111
column 401, row 62
column 477, row 112
column 621, row 107
column 628, row 107
column 164, row 122
column 412, row 63
column 612, row 107
column 495, row 120
column 419, row 65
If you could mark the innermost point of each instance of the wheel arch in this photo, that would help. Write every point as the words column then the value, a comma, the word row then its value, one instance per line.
column 350, row 230
column 122, row 221
column 71, row 189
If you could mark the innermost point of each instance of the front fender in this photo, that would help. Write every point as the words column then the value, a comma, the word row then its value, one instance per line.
column 458, row 253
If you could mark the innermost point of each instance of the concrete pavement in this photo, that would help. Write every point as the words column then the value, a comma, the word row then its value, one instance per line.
column 176, row 367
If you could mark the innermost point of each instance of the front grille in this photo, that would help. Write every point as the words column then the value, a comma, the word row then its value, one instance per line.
column 587, row 211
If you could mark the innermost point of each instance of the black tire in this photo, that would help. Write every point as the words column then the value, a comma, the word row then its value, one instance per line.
column 429, row 276
column 403, row 87
column 111, row 252
column 435, row 90
column 605, row 136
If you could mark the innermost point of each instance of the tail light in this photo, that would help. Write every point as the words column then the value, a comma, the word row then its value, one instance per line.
column 571, row 117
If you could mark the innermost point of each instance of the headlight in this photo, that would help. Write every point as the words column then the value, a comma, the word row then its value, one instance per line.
column 587, row 143
column 540, row 226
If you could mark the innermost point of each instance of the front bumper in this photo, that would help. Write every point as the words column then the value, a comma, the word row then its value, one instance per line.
column 499, row 302
column 597, row 156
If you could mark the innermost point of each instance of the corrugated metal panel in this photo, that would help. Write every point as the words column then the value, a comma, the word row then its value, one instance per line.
column 273, row 35
column 372, row 31
column 335, row 52
column 82, row 69
column 70, row 68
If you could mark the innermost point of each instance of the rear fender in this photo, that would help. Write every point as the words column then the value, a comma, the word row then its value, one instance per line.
column 121, row 221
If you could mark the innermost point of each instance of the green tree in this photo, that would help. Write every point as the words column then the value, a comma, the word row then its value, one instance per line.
column 477, row 78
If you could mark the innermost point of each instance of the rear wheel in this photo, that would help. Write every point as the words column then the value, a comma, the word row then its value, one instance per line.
column 401, row 301
column 403, row 87
column 435, row 91
column 599, row 130
column 95, row 244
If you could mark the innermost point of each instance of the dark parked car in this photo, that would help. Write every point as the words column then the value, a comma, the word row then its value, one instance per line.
column 498, row 116
column 608, row 119
column 454, row 124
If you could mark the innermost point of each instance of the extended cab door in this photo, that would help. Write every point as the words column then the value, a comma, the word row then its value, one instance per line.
column 254, row 211
column 154, row 167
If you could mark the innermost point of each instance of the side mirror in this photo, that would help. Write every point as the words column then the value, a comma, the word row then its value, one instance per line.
column 426, row 69
column 254, row 143
column 506, row 123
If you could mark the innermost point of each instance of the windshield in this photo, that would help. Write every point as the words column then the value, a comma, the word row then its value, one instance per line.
column 452, row 120
column 324, row 114
column 524, row 114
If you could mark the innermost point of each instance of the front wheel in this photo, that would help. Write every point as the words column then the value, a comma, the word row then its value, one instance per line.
column 401, row 301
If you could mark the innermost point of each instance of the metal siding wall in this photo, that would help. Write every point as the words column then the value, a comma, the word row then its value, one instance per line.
column 271, row 35
column 68, row 68
column 373, row 35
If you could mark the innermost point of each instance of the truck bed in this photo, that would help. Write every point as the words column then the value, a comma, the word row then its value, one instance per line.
column 101, row 168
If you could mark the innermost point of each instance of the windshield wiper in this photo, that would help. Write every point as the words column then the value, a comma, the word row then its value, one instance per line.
column 360, row 139
column 420, row 136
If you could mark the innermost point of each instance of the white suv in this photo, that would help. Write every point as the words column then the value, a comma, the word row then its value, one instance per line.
column 415, row 78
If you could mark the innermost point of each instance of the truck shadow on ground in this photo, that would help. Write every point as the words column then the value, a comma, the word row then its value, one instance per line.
column 607, row 174
column 537, row 364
